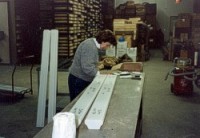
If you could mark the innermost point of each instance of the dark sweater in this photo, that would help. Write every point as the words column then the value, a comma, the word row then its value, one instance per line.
column 85, row 61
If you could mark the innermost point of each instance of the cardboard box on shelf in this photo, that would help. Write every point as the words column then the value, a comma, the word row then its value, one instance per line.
column 183, row 23
column 126, row 25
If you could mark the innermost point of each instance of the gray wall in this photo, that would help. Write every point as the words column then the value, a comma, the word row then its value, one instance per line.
column 4, row 26
column 8, row 45
column 165, row 9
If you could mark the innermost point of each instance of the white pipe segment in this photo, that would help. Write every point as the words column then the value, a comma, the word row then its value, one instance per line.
column 82, row 106
column 97, row 113
column 43, row 79
column 53, row 68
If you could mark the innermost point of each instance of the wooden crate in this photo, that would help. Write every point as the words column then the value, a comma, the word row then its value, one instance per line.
column 126, row 25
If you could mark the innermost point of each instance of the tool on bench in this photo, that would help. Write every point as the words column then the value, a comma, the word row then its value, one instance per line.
column 131, row 75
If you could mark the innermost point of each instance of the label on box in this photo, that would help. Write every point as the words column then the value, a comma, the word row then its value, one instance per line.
column 122, row 45
column 132, row 53
column 121, row 52
column 110, row 51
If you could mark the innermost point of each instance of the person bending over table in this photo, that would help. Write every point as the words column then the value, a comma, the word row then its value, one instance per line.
column 84, row 66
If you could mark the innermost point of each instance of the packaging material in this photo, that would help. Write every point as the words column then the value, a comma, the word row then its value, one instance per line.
column 64, row 125
column 109, row 62
column 116, row 67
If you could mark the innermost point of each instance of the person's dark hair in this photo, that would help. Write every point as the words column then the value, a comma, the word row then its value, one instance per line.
column 106, row 36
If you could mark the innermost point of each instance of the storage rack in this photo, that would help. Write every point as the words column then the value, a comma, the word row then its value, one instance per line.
column 61, row 18
column 77, row 24
column 26, row 27
column 94, row 19
column 76, row 20
column 20, row 26
column 46, row 14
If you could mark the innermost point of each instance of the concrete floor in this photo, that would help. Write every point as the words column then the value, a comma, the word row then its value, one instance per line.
column 164, row 114
column 18, row 119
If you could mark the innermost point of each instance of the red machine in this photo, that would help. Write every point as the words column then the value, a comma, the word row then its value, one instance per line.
column 184, row 74
column 182, row 82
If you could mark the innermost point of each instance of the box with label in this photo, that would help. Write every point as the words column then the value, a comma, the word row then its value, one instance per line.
column 122, row 45
column 128, row 38
column 121, row 52
column 110, row 51
column 132, row 53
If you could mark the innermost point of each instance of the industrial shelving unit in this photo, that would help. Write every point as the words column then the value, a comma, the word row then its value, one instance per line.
column 76, row 20
column 61, row 18
column 46, row 14
column 20, row 19
column 26, row 28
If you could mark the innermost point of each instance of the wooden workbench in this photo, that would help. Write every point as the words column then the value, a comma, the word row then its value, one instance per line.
column 124, row 114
